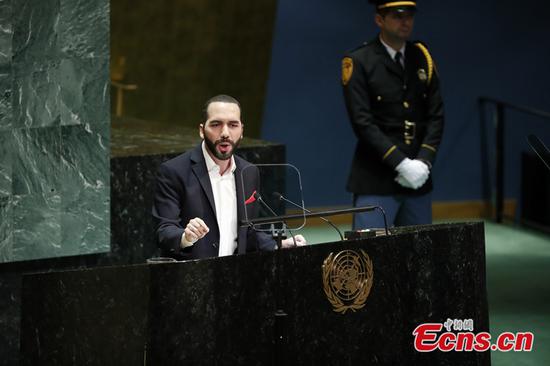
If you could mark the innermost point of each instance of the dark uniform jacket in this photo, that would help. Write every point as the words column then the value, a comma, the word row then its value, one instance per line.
column 183, row 191
column 394, row 113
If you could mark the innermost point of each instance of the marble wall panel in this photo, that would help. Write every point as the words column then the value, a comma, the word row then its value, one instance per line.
column 85, row 154
column 36, row 94
column 36, row 226
column 64, row 91
column 6, row 80
column 84, row 223
column 84, row 90
column 54, row 128
column 6, row 31
column 5, row 164
column 61, row 192
column 35, row 159
column 85, row 189
column 35, row 30
column 84, row 28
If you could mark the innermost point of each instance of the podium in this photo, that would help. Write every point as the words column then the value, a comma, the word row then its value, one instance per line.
column 264, row 308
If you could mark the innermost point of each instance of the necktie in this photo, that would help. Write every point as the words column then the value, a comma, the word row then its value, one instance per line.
column 397, row 59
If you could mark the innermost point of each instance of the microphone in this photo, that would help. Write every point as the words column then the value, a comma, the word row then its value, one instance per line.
column 259, row 198
column 280, row 197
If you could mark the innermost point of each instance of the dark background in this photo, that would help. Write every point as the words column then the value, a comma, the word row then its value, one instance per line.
column 181, row 52
column 282, row 60
column 481, row 48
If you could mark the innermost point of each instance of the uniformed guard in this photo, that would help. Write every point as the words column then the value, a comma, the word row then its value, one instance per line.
column 391, row 89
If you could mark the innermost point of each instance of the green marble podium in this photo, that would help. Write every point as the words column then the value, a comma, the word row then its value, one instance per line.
column 264, row 308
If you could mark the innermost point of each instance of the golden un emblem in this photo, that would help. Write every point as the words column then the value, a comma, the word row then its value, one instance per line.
column 347, row 279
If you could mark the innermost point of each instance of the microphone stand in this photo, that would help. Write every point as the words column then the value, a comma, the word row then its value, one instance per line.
column 279, row 234
column 279, row 219
column 283, row 198
column 280, row 314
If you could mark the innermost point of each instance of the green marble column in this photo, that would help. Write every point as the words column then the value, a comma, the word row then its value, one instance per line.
column 54, row 128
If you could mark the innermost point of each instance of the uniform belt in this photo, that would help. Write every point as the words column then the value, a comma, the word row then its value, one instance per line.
column 391, row 128
column 410, row 132
column 407, row 129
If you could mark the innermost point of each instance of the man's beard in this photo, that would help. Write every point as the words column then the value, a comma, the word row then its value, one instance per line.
column 211, row 145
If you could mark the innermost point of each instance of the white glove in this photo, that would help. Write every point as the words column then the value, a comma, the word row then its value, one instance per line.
column 196, row 229
column 412, row 173
column 403, row 182
column 289, row 242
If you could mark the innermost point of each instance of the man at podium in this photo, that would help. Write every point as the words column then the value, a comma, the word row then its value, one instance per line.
column 197, row 205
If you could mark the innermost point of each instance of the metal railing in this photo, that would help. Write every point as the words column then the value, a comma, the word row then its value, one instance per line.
column 500, row 127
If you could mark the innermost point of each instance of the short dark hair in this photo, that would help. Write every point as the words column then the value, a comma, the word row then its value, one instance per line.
column 218, row 98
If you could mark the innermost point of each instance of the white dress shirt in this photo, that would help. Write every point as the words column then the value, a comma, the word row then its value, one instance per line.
column 392, row 52
column 225, row 199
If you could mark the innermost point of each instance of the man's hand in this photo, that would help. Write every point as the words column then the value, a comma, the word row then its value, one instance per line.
column 196, row 229
column 289, row 242
column 412, row 173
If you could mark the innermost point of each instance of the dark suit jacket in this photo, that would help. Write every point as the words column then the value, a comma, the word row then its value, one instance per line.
column 380, row 98
column 183, row 191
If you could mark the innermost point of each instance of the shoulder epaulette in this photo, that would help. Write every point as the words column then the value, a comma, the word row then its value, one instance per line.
column 358, row 47
column 429, row 59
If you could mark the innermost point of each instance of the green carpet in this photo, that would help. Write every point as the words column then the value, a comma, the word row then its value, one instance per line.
column 518, row 286
column 518, row 273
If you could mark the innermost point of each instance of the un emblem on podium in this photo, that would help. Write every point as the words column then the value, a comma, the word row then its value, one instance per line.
column 347, row 279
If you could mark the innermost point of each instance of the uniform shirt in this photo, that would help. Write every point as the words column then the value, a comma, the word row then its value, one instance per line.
column 392, row 52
